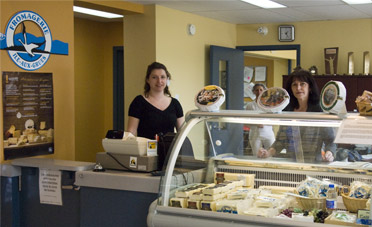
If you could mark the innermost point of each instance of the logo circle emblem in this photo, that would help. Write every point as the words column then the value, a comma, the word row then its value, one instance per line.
column 29, row 52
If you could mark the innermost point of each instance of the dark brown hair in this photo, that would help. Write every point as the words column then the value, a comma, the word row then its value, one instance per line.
column 150, row 68
column 304, row 76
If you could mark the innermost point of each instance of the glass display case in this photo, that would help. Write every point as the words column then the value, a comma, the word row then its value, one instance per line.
column 246, row 168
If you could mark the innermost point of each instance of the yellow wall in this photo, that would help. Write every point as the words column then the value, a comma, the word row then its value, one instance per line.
column 188, row 56
column 139, row 52
column 349, row 35
column 59, row 16
column 280, row 68
column 161, row 34
column 94, row 83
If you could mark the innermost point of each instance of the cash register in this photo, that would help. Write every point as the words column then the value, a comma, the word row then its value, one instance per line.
column 124, row 151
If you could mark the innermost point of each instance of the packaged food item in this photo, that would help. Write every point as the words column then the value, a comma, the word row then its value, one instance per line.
column 360, row 190
column 314, row 188
column 233, row 206
column 178, row 202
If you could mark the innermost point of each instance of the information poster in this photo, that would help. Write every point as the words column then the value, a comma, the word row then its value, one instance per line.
column 28, row 113
column 50, row 187
column 355, row 131
column 260, row 73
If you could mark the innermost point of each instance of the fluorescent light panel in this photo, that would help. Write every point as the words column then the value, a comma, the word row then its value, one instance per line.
column 351, row 2
column 267, row 4
column 97, row 13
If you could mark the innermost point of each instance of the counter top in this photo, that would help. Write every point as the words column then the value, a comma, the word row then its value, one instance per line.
column 7, row 170
column 119, row 180
column 53, row 164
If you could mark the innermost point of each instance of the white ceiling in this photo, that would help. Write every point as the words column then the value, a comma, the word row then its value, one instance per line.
column 238, row 12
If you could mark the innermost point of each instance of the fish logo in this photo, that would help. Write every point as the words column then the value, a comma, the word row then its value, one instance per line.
column 30, row 51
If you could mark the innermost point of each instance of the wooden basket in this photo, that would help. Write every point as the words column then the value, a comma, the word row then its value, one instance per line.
column 364, row 108
column 311, row 203
column 353, row 204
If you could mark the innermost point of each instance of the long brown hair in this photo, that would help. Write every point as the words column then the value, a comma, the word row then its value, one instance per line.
column 304, row 76
column 150, row 68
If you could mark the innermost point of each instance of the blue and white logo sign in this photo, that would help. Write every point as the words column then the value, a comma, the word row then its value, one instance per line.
column 29, row 42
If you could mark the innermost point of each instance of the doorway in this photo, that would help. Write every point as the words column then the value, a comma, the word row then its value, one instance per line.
column 118, row 88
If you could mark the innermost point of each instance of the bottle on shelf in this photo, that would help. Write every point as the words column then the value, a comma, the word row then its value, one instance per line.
column 331, row 200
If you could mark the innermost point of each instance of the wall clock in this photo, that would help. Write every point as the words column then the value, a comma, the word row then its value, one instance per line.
column 286, row 33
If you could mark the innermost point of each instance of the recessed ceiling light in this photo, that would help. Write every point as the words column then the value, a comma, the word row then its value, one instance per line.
column 265, row 3
column 97, row 13
column 351, row 2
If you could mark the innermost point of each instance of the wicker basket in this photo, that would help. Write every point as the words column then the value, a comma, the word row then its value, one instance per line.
column 364, row 108
column 311, row 203
column 353, row 204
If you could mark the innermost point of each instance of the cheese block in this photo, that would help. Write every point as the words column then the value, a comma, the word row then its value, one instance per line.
column 12, row 140
column 216, row 189
column 248, row 179
column 238, row 194
column 178, row 202
column 208, row 205
column 193, row 204
column 279, row 189
column 233, row 206
column 264, row 212
column 197, row 196
column 214, row 197
column 265, row 201
column 17, row 133
column 189, row 190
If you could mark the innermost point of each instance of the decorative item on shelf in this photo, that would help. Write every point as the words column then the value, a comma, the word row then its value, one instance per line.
column 333, row 97
column 273, row 100
column 350, row 63
column 286, row 33
column 262, row 30
column 331, row 58
column 366, row 62
column 210, row 98
column 313, row 70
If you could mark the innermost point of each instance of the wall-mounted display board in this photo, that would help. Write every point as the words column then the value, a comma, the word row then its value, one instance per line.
column 28, row 114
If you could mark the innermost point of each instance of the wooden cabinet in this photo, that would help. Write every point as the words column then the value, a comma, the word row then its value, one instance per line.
column 355, row 85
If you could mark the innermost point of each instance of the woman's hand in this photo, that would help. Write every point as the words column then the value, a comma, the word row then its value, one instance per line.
column 263, row 153
column 328, row 156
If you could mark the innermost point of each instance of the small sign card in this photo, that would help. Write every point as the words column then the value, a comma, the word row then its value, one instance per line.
column 50, row 187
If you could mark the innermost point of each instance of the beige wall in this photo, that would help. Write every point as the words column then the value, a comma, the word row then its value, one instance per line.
column 349, row 35
column 59, row 16
column 94, row 83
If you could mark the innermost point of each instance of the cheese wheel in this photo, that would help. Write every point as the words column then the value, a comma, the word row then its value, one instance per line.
column 210, row 98
column 333, row 97
column 273, row 100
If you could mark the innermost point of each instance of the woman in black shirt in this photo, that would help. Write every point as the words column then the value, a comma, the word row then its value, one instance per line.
column 155, row 111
